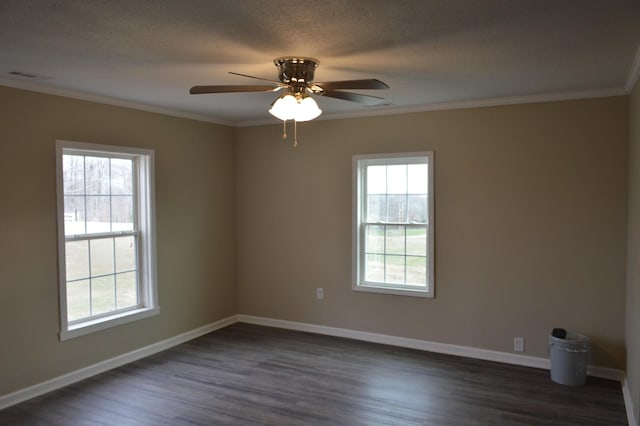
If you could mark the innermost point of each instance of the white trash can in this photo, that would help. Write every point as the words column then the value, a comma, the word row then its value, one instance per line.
column 569, row 359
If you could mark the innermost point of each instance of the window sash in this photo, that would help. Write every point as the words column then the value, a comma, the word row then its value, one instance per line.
column 85, row 195
column 115, row 273
column 386, row 253
column 81, row 237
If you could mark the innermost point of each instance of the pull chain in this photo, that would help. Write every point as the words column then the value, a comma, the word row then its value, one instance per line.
column 295, row 132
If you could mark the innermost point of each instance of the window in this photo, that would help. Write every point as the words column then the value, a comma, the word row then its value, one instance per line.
column 393, row 223
column 105, row 236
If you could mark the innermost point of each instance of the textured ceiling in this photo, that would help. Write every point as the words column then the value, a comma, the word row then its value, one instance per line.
column 430, row 52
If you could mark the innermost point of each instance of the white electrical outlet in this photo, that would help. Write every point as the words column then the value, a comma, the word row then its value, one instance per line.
column 319, row 293
column 518, row 344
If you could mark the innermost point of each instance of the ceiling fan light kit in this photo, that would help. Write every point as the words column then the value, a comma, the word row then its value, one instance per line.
column 296, row 76
column 297, row 107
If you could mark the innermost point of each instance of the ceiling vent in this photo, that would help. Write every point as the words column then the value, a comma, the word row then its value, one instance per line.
column 27, row 75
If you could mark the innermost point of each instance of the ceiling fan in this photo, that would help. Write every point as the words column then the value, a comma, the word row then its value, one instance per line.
column 296, row 78
column 295, row 75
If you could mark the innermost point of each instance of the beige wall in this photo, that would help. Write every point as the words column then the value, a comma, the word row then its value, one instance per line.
column 633, row 256
column 531, row 210
column 195, row 230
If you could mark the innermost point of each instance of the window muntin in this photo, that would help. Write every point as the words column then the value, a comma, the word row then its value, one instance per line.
column 393, row 223
column 106, row 233
column 101, row 235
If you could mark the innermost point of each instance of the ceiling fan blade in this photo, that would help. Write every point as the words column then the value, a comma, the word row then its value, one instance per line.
column 353, row 97
column 257, row 78
column 197, row 90
column 370, row 83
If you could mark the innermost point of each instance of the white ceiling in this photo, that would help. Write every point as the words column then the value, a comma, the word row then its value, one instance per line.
column 432, row 53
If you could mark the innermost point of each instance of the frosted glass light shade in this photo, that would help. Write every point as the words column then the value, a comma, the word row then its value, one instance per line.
column 284, row 107
column 307, row 110
column 288, row 107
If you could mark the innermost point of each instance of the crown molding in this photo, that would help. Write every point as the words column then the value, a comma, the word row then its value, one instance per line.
column 476, row 103
column 75, row 94
column 370, row 112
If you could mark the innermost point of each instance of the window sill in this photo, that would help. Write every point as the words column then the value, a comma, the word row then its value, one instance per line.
column 92, row 326
column 393, row 290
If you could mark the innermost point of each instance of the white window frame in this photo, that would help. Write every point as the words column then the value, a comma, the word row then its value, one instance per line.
column 359, row 163
column 144, row 212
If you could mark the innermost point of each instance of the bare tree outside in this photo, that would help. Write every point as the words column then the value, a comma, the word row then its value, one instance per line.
column 99, row 200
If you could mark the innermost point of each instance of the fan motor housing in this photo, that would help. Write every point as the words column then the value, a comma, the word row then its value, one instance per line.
column 296, row 71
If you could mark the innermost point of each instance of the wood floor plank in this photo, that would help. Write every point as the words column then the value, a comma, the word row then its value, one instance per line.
column 252, row 375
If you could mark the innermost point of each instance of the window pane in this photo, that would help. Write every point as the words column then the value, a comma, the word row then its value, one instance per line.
column 102, row 261
column 121, row 176
column 126, row 290
column 377, row 208
column 417, row 241
column 78, row 300
column 122, row 213
column 417, row 270
column 73, row 174
column 102, row 295
column 98, row 214
column 97, row 175
column 74, row 215
column 394, row 269
column 417, row 209
column 397, row 179
column 376, row 179
column 418, row 178
column 394, row 240
column 374, row 239
column 397, row 208
column 374, row 267
column 77, row 260
column 126, row 259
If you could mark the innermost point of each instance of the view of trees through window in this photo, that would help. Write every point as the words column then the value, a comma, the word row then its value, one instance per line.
column 98, row 194
column 101, row 240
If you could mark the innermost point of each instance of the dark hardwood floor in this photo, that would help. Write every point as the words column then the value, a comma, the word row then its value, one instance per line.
column 251, row 375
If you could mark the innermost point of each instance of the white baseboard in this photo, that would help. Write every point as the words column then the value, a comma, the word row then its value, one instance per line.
column 628, row 403
column 444, row 348
column 424, row 345
column 109, row 364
